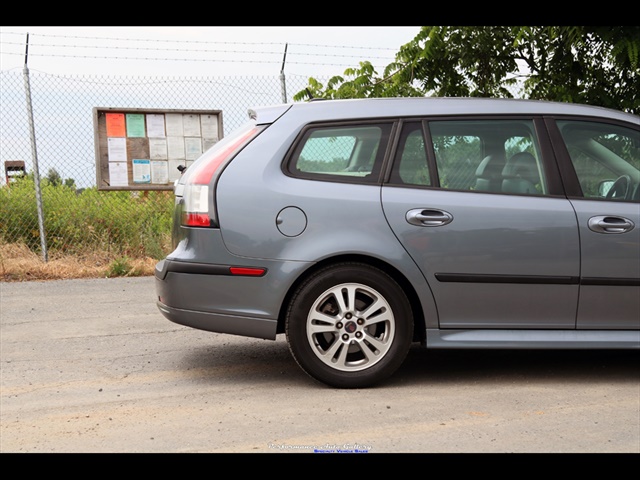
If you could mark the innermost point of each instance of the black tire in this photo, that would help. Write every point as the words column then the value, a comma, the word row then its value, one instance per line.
column 349, row 326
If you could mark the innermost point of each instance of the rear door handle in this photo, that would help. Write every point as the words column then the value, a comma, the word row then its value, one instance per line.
column 428, row 217
column 610, row 224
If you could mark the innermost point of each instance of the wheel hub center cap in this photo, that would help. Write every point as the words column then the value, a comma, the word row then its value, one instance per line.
column 350, row 327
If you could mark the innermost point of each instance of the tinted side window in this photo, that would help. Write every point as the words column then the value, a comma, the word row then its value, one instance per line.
column 351, row 153
column 601, row 154
column 499, row 156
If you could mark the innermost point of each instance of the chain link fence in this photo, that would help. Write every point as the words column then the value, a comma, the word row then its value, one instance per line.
column 46, row 122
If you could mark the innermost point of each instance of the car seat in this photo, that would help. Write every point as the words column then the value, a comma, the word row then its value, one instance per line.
column 520, row 174
column 489, row 174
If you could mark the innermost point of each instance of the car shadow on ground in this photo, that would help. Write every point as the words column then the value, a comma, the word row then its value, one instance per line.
column 243, row 360
column 470, row 365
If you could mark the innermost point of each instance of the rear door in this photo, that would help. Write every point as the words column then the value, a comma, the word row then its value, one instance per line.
column 601, row 168
column 475, row 203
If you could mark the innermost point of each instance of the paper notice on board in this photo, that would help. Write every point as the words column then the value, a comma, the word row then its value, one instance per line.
column 192, row 147
column 207, row 143
column 118, row 176
column 155, row 125
column 117, row 149
column 115, row 125
column 160, row 171
column 135, row 125
column 141, row 170
column 173, row 124
column 175, row 148
column 158, row 148
column 191, row 125
column 209, row 125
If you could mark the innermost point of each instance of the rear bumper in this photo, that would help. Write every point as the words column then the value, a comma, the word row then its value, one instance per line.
column 206, row 297
column 217, row 322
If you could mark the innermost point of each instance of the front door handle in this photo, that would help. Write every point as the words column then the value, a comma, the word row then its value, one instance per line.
column 428, row 217
column 610, row 224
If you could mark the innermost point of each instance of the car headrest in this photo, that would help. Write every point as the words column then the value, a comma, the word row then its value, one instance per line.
column 523, row 165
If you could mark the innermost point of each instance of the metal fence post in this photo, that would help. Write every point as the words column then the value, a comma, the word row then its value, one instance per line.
column 283, row 83
column 34, row 154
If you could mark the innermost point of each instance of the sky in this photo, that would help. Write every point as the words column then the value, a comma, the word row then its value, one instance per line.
column 193, row 50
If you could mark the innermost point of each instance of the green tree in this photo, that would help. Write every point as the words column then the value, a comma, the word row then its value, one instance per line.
column 53, row 177
column 594, row 65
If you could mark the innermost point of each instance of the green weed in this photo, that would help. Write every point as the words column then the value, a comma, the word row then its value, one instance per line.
column 121, row 224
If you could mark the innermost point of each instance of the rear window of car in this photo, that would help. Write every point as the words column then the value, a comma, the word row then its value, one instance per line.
column 491, row 156
column 344, row 153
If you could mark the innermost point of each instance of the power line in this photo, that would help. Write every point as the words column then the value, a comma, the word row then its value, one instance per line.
column 241, row 52
column 32, row 44
column 96, row 57
column 197, row 42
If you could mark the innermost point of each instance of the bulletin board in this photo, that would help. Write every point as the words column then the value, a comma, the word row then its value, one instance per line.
column 144, row 149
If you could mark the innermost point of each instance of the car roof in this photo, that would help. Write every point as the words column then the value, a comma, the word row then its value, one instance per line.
column 325, row 110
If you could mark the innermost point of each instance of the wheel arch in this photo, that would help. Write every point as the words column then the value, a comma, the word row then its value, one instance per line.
column 419, row 324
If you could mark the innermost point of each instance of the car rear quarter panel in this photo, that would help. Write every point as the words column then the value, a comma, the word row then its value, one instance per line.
column 341, row 218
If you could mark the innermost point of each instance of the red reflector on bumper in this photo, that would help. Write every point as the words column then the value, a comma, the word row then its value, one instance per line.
column 251, row 272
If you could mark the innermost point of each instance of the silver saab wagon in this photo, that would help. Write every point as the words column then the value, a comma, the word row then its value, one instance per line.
column 357, row 227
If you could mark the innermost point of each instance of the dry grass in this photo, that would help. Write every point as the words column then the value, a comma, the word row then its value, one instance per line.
column 18, row 264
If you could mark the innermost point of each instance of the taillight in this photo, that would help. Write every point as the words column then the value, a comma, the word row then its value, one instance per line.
column 198, row 207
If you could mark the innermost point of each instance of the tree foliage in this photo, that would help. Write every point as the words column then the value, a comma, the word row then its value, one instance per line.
column 578, row 64
column 54, row 179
